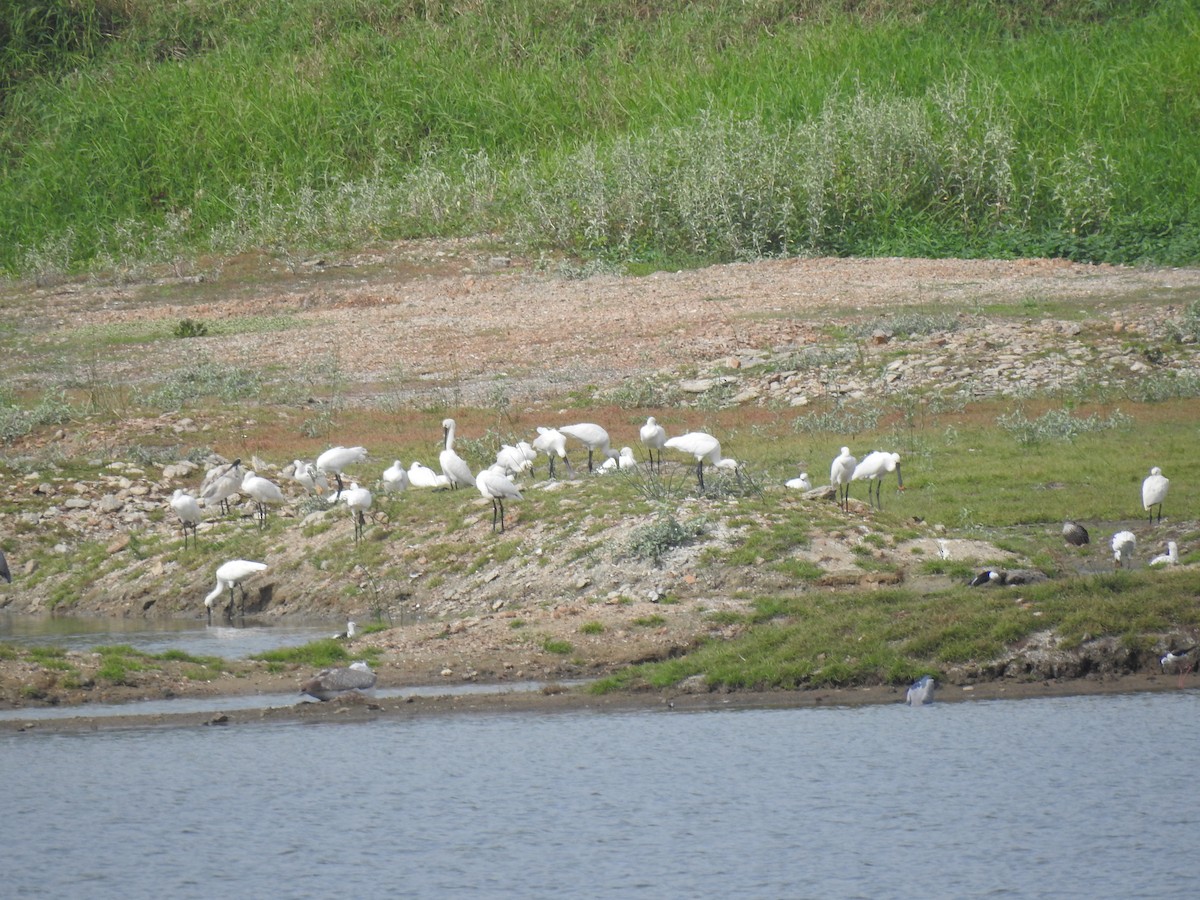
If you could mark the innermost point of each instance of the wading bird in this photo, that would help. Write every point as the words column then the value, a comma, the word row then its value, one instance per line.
column 310, row 478
column 329, row 683
column 920, row 692
column 497, row 487
column 1170, row 558
column 395, row 478
column 1075, row 534
column 1154, row 492
column 220, row 483
column 653, row 437
column 874, row 466
column 229, row 575
column 703, row 448
column 1124, row 543
column 592, row 436
column 335, row 460
column 553, row 443
column 623, row 460
column 188, row 510
column 263, row 492
column 358, row 499
column 840, row 475
column 516, row 459
column 454, row 467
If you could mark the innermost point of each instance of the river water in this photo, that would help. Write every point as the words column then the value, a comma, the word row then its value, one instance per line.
column 1067, row 797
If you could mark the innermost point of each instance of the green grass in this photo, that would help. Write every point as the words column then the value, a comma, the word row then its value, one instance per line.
column 656, row 133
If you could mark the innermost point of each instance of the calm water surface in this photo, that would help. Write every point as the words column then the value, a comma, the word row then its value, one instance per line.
column 1072, row 797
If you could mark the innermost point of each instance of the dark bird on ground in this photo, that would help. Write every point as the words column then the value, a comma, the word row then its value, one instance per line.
column 4, row 573
column 1075, row 534
column 1002, row 579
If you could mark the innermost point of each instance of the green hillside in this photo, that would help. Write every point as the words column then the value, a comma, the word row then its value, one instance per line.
column 658, row 132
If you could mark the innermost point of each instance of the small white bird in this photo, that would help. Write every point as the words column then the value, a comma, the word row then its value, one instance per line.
column 263, row 492
column 516, row 459
column 703, row 448
column 802, row 483
column 220, row 483
column 188, row 510
column 358, row 499
column 335, row 461
column 308, row 477
column 1170, row 558
column 1154, row 492
column 874, row 466
column 840, row 475
column 229, row 575
column 329, row 683
column 395, row 478
column 592, row 436
column 497, row 487
column 1075, row 534
column 653, row 437
column 920, row 692
column 553, row 443
column 624, row 460
column 421, row 476
column 1124, row 543
column 454, row 467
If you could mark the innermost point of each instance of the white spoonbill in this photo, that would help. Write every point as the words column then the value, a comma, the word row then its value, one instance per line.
column 421, row 476
column 1154, row 492
column 229, row 575
column 329, row 683
column 592, row 436
column 874, row 466
column 1123, row 545
column 623, row 460
column 335, row 460
column 310, row 478
column 395, row 478
column 188, row 510
column 516, row 459
column 703, row 448
column 920, row 692
column 653, row 437
column 454, row 467
column 801, row 483
column 358, row 499
column 220, row 483
column 1170, row 558
column 497, row 487
column 263, row 492
column 1075, row 534
column 553, row 443
column 840, row 475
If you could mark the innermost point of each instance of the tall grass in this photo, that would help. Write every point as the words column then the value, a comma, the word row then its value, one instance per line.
column 633, row 130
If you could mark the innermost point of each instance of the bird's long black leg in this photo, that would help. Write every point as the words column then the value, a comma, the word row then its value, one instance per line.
column 700, row 475
column 501, row 505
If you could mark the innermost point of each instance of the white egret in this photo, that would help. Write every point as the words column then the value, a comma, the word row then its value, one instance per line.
column 653, row 437
column 1170, row 558
column 497, row 487
column 188, row 510
column 329, row 683
column 1075, row 534
column 592, row 436
column 703, row 448
column 263, row 492
column 623, row 460
column 553, row 443
column 421, row 476
column 454, row 467
column 1124, row 543
column 1154, row 492
column 358, row 499
column 220, row 483
column 4, row 573
column 310, row 478
column 335, row 460
column 840, row 475
column 920, row 692
column 229, row 575
column 801, row 483
column 874, row 466
column 395, row 478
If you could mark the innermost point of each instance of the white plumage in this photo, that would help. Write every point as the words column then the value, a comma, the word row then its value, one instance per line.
column 623, row 460
column 1124, row 543
column 874, row 466
column 358, row 499
column 553, row 443
column 703, row 448
column 801, row 483
column 592, row 436
column 220, row 483
column 653, row 437
column 308, row 477
column 920, row 692
column 188, row 510
column 263, row 492
column 496, row 486
column 421, row 476
column 516, row 459
column 229, row 575
column 335, row 460
column 454, row 467
column 841, row 472
column 1154, row 492
column 395, row 478
column 1170, row 558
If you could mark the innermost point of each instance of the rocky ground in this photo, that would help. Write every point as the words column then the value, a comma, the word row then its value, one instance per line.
column 417, row 324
